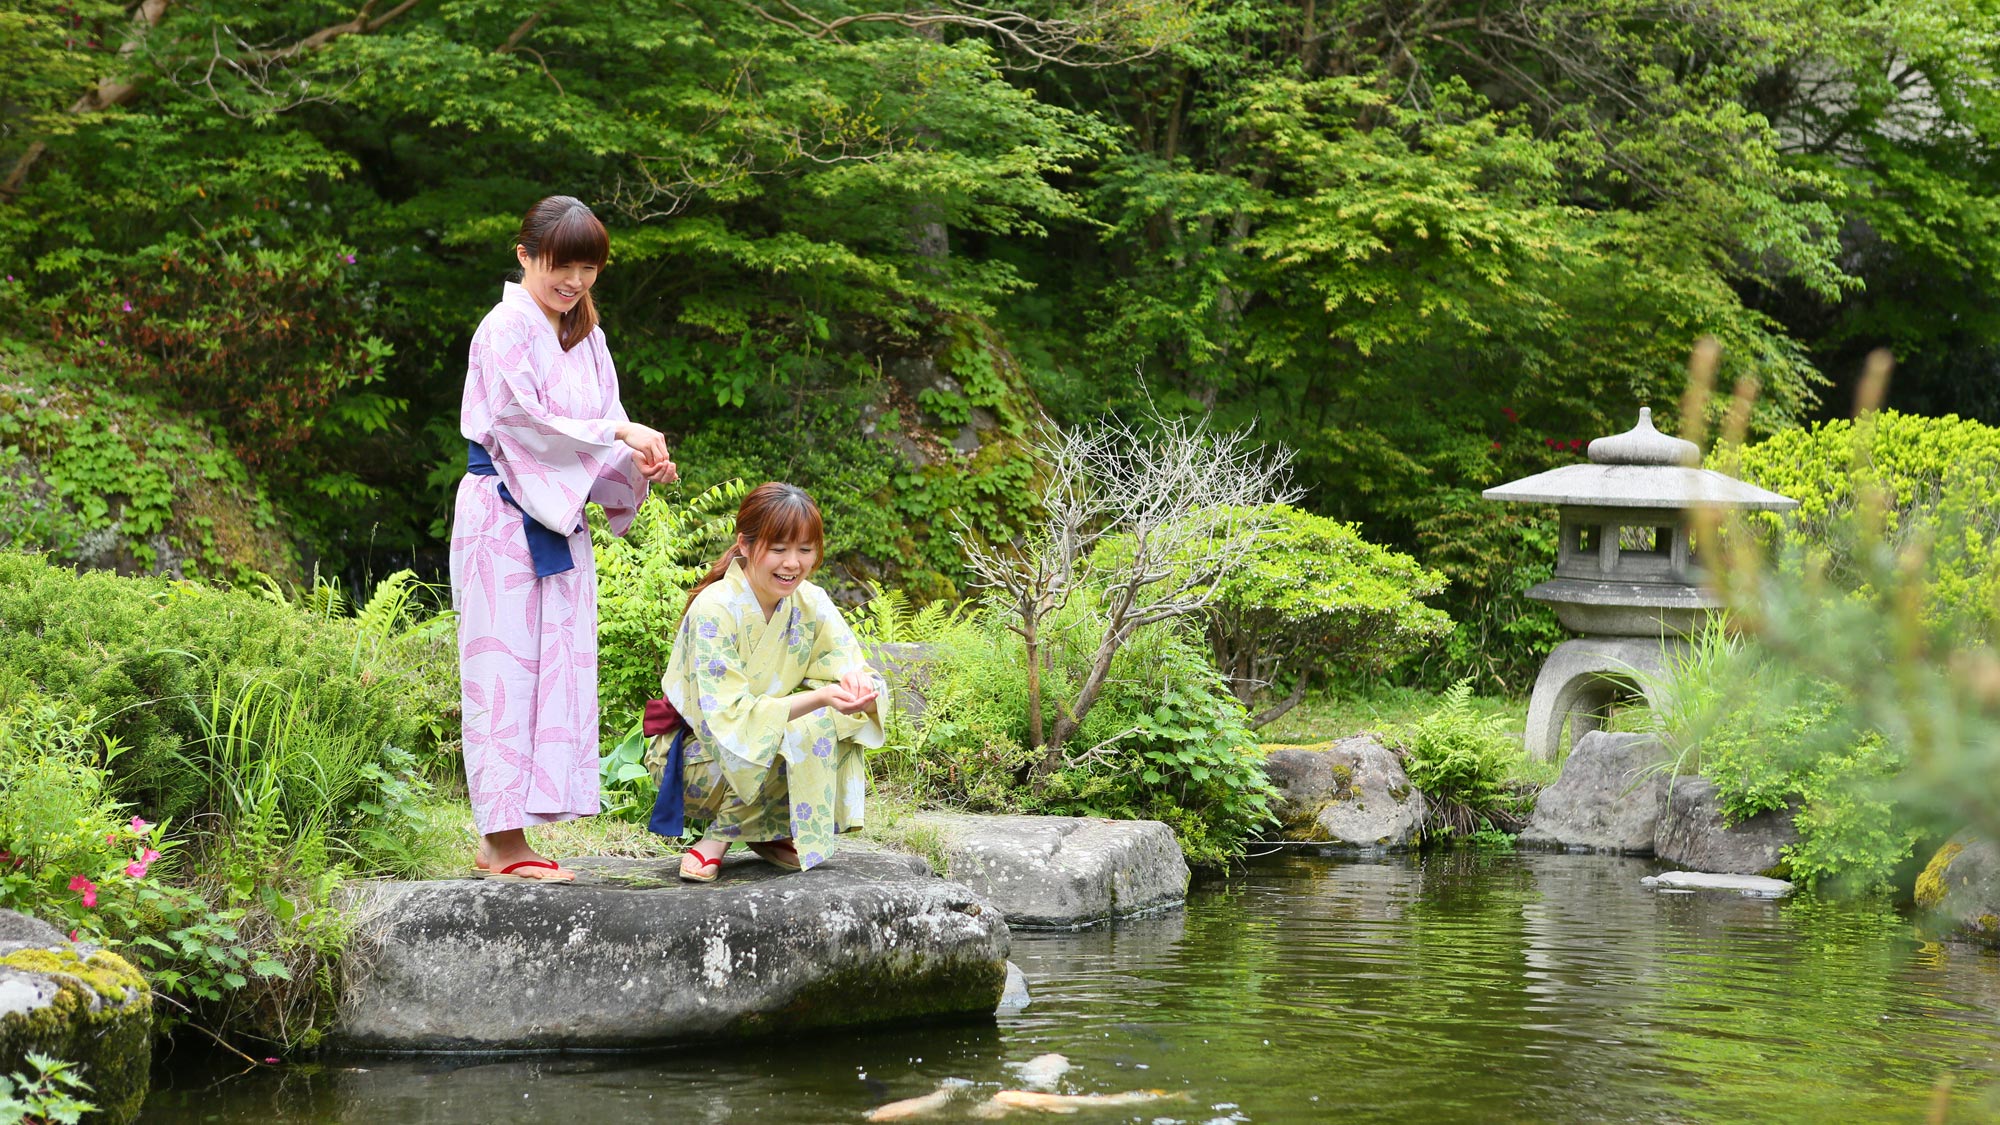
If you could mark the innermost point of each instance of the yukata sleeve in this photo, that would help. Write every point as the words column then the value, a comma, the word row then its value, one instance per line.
column 549, row 463
column 619, row 488
column 835, row 652
column 713, row 690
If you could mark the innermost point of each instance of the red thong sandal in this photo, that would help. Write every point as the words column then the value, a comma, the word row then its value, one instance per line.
column 704, row 870
column 557, row 874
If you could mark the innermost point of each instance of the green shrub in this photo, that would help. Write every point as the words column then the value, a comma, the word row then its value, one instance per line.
column 1462, row 760
column 1316, row 601
column 1772, row 740
column 142, row 655
column 50, row 1095
column 1928, row 473
column 1166, row 741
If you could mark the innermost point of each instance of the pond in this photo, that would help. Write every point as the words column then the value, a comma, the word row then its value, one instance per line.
column 1446, row 988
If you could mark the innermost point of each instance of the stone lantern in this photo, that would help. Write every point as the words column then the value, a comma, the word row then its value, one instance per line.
column 1628, row 571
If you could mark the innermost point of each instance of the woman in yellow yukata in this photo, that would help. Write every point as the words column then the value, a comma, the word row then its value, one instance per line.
column 776, row 701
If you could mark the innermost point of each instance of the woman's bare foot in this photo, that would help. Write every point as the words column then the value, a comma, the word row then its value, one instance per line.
column 703, row 862
column 778, row 853
column 508, row 853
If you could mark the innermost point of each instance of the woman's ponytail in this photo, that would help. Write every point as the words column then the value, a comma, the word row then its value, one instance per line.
column 713, row 576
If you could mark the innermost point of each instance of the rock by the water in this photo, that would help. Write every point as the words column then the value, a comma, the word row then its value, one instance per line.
column 1959, row 891
column 78, row 1004
column 628, row 956
column 1062, row 872
column 1751, row 886
column 1014, row 996
column 1692, row 834
column 1352, row 793
column 1605, row 800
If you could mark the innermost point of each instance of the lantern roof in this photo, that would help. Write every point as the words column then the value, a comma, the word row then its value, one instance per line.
column 1641, row 468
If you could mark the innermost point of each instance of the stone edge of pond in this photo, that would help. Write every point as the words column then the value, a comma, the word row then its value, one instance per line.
column 1060, row 872
column 629, row 958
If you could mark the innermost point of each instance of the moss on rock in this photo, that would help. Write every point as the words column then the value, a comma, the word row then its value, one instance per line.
column 94, row 1010
column 1931, row 885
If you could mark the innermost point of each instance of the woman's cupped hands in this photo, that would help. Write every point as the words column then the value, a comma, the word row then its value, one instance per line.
column 649, row 452
column 853, row 693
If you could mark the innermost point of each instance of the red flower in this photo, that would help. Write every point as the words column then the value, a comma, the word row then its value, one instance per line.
column 1509, row 412
column 87, row 888
column 1496, row 445
column 1576, row 443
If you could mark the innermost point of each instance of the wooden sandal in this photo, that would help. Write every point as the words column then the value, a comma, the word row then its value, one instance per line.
column 782, row 854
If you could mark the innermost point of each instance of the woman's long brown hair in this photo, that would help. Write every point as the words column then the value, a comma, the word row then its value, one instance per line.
column 772, row 513
column 560, row 230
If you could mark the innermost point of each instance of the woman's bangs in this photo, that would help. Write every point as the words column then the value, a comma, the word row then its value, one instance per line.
column 576, row 237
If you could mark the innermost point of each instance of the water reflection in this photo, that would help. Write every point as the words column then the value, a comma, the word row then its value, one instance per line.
column 1434, row 989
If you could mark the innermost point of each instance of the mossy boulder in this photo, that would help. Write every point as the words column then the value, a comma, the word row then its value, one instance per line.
column 1959, row 891
column 73, row 1002
column 1350, row 793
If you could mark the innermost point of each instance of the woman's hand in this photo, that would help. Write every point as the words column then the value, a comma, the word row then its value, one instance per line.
column 853, row 695
column 649, row 449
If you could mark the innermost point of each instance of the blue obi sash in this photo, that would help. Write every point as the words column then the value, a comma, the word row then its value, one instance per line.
column 671, row 804
column 549, row 549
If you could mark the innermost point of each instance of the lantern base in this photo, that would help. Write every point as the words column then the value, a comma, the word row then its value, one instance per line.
column 1583, row 680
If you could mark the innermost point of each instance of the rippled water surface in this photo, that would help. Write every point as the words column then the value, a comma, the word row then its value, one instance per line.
column 1442, row 989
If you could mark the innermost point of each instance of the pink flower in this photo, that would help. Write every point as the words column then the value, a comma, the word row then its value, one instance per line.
column 350, row 259
column 148, row 855
column 128, row 306
column 140, row 825
column 72, row 935
column 88, row 889
column 111, row 837
column 272, row 1062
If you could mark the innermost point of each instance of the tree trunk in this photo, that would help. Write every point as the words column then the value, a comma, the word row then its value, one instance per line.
column 1283, row 705
column 1034, row 687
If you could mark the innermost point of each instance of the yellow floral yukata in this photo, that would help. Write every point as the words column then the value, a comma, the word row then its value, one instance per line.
column 749, row 769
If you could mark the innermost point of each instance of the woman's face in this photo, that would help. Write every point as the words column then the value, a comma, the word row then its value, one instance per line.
column 775, row 569
column 556, row 288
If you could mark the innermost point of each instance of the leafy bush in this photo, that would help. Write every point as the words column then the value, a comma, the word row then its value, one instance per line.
column 1316, row 601
column 1461, row 761
column 1926, row 473
column 1771, row 740
column 49, row 1096
column 1166, row 741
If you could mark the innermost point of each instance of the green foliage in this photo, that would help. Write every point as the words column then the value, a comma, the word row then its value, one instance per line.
column 1166, row 741
column 887, row 619
column 1462, row 762
column 109, row 478
column 1925, row 475
column 50, row 1096
column 1317, row 601
column 270, row 732
column 643, row 579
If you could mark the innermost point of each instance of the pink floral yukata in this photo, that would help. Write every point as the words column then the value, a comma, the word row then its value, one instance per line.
column 528, row 646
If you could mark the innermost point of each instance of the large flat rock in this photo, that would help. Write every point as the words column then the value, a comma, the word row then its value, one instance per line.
column 1062, row 872
column 628, row 956
column 1608, row 798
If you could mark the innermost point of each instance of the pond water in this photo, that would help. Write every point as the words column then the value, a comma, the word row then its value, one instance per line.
column 1451, row 988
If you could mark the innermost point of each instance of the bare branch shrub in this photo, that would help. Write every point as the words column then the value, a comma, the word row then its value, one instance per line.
column 1188, row 504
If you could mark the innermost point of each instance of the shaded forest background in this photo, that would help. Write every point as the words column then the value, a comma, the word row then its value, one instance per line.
column 1431, row 245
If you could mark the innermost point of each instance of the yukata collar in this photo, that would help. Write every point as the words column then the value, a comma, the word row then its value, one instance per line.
column 739, row 585
column 514, row 293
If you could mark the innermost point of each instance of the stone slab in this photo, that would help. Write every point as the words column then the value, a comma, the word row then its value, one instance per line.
column 1752, row 886
column 1062, row 872
column 628, row 956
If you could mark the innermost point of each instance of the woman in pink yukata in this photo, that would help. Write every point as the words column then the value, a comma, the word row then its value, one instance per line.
column 545, row 434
